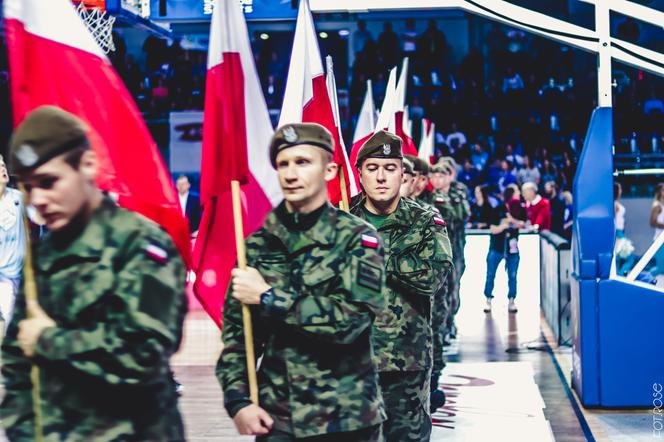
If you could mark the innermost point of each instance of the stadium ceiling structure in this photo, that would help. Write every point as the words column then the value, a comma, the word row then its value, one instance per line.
column 598, row 41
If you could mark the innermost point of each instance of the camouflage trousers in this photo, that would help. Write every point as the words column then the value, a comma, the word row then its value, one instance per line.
column 370, row 434
column 438, row 327
column 453, row 287
column 406, row 395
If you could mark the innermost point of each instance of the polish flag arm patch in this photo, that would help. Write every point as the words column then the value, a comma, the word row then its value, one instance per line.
column 438, row 220
column 156, row 253
column 369, row 241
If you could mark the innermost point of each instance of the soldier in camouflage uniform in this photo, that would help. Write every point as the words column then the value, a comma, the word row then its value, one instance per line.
column 418, row 257
column 111, row 303
column 314, row 286
column 421, row 170
column 451, row 198
column 440, row 304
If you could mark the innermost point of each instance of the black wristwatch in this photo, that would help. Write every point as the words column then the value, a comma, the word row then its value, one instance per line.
column 266, row 295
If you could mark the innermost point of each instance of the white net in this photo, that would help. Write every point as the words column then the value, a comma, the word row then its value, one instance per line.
column 100, row 25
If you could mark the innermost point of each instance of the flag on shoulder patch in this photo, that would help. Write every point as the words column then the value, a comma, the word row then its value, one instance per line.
column 440, row 200
column 369, row 241
column 156, row 253
column 438, row 220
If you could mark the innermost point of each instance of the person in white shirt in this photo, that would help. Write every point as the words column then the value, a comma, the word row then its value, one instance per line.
column 12, row 243
column 456, row 139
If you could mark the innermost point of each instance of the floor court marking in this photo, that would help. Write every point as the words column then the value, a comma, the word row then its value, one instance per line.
column 490, row 401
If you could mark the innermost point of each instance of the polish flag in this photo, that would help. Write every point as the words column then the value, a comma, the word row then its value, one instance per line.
column 385, row 121
column 402, row 123
column 427, row 141
column 364, row 128
column 366, row 121
column 54, row 60
column 236, row 138
column 332, row 93
column 306, row 99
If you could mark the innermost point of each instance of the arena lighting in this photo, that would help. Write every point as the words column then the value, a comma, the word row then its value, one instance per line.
column 344, row 33
column 653, row 171
column 323, row 35
column 264, row 36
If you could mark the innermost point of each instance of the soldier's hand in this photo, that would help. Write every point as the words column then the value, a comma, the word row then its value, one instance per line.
column 252, row 420
column 29, row 330
column 248, row 285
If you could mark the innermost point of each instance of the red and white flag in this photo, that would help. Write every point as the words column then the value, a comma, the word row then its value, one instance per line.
column 366, row 120
column 236, row 138
column 54, row 60
column 426, row 151
column 332, row 92
column 385, row 120
column 401, row 121
column 306, row 99
column 364, row 128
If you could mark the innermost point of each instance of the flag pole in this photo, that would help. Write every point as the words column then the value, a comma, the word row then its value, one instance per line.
column 344, row 205
column 246, row 313
column 30, row 290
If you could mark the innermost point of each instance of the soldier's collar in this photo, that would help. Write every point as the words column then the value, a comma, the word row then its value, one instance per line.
column 323, row 232
column 89, row 243
column 402, row 216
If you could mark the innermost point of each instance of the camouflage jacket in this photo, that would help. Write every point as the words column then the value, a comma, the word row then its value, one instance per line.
column 418, row 258
column 116, row 293
column 455, row 210
column 314, row 334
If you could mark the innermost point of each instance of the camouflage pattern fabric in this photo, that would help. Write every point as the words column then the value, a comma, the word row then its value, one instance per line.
column 370, row 434
column 455, row 209
column 418, row 258
column 406, row 397
column 458, row 194
column 316, row 376
column 116, row 292
column 440, row 309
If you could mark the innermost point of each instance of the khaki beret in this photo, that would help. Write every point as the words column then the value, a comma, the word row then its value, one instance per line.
column 442, row 167
column 297, row 134
column 46, row 132
column 408, row 166
column 448, row 160
column 382, row 144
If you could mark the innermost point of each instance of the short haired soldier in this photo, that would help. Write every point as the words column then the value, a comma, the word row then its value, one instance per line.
column 111, row 302
column 314, row 287
column 417, row 258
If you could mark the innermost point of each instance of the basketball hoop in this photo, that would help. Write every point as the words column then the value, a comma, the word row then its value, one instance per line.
column 98, row 21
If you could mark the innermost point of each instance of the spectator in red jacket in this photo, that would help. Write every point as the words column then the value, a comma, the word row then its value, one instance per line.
column 539, row 209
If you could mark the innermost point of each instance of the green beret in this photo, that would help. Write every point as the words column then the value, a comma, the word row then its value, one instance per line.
column 382, row 144
column 297, row 134
column 46, row 132
column 408, row 166
column 419, row 165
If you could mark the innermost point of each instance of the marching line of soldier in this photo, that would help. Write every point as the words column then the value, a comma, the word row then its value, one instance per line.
column 350, row 310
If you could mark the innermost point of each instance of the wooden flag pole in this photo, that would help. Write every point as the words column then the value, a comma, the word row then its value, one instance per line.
column 345, row 205
column 30, row 289
column 246, row 313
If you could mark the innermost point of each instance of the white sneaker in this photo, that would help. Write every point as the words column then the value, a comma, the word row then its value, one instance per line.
column 511, row 307
column 487, row 308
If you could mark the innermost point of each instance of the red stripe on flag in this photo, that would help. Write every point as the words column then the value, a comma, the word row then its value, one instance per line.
column 44, row 71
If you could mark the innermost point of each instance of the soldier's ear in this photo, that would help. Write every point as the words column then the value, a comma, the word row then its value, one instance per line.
column 89, row 165
column 331, row 171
